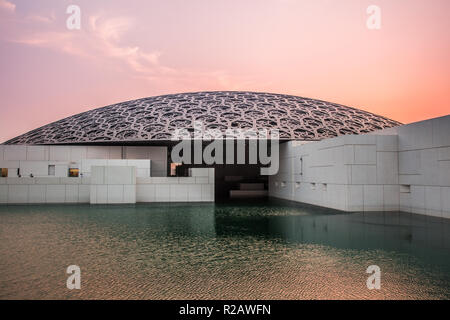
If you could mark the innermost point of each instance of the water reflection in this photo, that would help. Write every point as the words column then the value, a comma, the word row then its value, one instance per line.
column 261, row 250
column 422, row 236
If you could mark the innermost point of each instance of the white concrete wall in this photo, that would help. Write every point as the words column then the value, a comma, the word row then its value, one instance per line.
column 41, row 168
column 59, row 153
column 424, row 167
column 405, row 168
column 13, row 157
column 158, row 155
column 143, row 167
column 113, row 184
column 199, row 187
column 44, row 190
column 351, row 173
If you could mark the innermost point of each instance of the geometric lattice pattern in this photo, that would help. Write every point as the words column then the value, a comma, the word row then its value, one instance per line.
column 156, row 118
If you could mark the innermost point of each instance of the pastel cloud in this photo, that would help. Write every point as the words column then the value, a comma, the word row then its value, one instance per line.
column 108, row 33
column 7, row 6
column 104, row 38
column 98, row 40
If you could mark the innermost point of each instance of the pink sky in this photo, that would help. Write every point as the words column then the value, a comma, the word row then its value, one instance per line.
column 132, row 49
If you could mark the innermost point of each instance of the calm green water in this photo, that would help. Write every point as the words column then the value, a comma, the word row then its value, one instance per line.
column 265, row 250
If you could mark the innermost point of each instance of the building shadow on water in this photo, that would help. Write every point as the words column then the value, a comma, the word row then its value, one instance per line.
column 422, row 236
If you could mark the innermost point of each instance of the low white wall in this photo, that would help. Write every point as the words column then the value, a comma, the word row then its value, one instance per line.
column 117, row 184
column 197, row 188
column 113, row 185
column 44, row 190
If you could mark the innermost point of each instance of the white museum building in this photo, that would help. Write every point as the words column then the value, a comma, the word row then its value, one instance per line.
column 330, row 155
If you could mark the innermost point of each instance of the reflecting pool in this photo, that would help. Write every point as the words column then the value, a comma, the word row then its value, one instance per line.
column 238, row 250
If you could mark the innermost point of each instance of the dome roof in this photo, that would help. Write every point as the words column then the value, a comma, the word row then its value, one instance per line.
column 156, row 118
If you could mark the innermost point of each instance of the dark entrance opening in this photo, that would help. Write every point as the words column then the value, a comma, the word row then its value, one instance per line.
column 239, row 181
column 232, row 181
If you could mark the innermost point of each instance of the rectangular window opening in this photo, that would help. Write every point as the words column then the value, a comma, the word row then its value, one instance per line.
column 74, row 172
column 301, row 166
column 173, row 169
column 405, row 188
column 51, row 170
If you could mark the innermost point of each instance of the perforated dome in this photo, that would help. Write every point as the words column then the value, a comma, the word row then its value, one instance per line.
column 156, row 118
